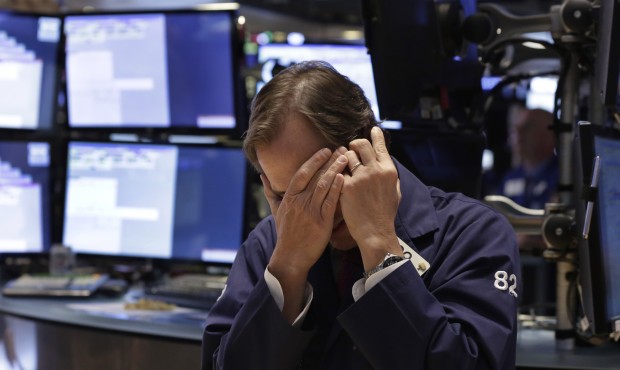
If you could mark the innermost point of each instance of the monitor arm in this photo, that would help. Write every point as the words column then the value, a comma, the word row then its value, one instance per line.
column 555, row 223
column 569, row 23
column 491, row 25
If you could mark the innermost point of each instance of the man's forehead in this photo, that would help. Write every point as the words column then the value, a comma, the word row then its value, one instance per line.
column 280, row 166
column 296, row 142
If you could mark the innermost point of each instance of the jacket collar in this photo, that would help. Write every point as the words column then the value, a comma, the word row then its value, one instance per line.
column 416, row 213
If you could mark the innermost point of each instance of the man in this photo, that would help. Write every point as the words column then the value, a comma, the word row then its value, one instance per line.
column 436, row 273
column 533, row 180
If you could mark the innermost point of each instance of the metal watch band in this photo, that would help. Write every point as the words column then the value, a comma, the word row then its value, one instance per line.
column 388, row 260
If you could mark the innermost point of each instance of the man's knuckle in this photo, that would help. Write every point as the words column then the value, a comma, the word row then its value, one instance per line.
column 322, row 185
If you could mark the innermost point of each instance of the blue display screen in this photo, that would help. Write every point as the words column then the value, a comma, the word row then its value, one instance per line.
column 24, row 196
column 28, row 70
column 155, row 201
column 155, row 70
column 609, row 218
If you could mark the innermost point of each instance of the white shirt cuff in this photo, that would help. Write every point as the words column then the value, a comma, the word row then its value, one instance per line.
column 363, row 285
column 275, row 288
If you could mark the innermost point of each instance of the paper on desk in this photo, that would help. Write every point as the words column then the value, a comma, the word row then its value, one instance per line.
column 118, row 309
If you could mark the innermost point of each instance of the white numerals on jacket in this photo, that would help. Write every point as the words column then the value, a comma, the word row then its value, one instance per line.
column 505, row 282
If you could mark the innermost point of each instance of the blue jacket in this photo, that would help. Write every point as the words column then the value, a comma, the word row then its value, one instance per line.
column 461, row 314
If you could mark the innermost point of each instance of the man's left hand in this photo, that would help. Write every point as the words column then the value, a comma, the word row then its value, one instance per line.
column 370, row 198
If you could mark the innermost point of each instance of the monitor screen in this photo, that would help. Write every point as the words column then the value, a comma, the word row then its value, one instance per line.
column 155, row 201
column 28, row 61
column 599, row 252
column 608, row 150
column 24, row 197
column 350, row 60
column 152, row 70
column 451, row 161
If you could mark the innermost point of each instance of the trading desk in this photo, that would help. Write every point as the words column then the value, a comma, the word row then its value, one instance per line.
column 54, row 334
column 536, row 350
column 66, row 334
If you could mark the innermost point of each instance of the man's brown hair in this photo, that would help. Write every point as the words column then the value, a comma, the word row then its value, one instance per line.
column 330, row 101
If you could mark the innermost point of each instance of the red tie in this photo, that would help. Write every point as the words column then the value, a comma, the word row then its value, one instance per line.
column 350, row 270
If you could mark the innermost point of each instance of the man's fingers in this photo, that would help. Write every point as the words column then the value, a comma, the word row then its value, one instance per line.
column 369, row 152
column 378, row 144
column 306, row 172
column 364, row 151
column 333, row 196
column 325, row 181
column 353, row 160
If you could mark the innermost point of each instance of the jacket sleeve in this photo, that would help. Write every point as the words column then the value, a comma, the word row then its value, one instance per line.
column 245, row 329
column 463, row 316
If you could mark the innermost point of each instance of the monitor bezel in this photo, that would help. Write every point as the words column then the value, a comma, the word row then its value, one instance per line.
column 239, row 104
column 56, row 88
column 249, row 207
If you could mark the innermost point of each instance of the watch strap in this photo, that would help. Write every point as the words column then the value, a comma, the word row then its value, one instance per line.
column 388, row 260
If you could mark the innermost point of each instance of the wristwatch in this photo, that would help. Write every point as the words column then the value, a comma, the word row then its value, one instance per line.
column 388, row 260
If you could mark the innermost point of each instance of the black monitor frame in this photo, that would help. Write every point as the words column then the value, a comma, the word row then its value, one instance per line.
column 250, row 211
column 51, row 125
column 593, row 276
column 424, row 73
column 163, row 133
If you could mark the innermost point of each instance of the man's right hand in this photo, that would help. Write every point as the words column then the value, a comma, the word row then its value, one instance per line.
column 305, row 214
column 304, row 220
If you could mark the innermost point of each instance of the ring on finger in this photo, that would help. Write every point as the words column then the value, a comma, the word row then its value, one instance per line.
column 355, row 166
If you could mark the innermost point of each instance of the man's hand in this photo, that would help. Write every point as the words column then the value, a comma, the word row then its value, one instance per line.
column 304, row 220
column 370, row 198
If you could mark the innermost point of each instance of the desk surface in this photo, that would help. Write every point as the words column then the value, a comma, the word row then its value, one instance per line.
column 181, row 324
column 537, row 349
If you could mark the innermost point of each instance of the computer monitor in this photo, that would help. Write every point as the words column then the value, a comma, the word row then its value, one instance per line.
column 28, row 70
column 451, row 161
column 158, row 201
column 168, row 70
column 25, row 188
column 599, row 253
column 349, row 59
column 424, row 71
column 607, row 68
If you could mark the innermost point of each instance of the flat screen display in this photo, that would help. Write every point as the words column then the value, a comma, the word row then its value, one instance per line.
column 151, row 70
column 28, row 70
column 352, row 61
column 24, row 196
column 608, row 151
column 599, row 225
column 155, row 201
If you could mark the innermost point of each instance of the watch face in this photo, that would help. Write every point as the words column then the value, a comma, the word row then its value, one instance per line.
column 392, row 260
